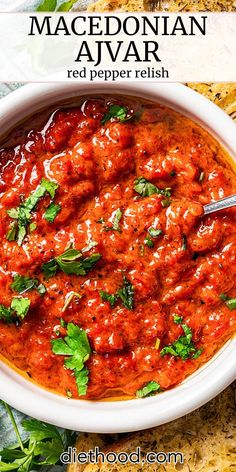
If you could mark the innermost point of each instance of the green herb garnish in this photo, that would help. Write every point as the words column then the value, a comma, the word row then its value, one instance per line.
column 47, row 5
column 32, row 227
column 70, row 262
column 20, row 306
column 230, row 302
column 148, row 242
column 67, row 6
column 18, row 309
column 146, row 188
column 117, row 219
column 107, row 297
column 115, row 111
column 166, row 202
column 115, row 225
column 51, row 212
column 24, row 284
column 183, row 347
column 43, row 446
column 22, row 214
column 155, row 233
column 126, row 294
column 148, row 390
column 12, row 232
column 5, row 314
column 76, row 349
column 184, row 242
column 178, row 319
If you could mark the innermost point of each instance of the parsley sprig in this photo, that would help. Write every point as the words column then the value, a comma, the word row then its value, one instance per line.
column 108, row 297
column 43, row 446
column 183, row 347
column 22, row 214
column 51, row 212
column 70, row 262
column 22, row 284
column 115, row 111
column 125, row 293
column 18, row 310
column 153, row 233
column 148, row 390
column 76, row 349
column 146, row 189
column 51, row 5
column 230, row 302
column 116, row 222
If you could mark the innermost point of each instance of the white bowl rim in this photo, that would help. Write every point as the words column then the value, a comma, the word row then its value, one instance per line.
column 208, row 381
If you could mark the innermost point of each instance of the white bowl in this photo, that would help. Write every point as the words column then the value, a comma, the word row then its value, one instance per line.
column 213, row 377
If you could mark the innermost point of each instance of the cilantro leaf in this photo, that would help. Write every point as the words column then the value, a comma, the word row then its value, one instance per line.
column 146, row 188
column 47, row 5
column 150, row 389
column 70, row 262
column 20, row 306
column 115, row 111
column 76, row 346
column 107, row 297
column 183, row 347
column 126, row 294
column 51, row 212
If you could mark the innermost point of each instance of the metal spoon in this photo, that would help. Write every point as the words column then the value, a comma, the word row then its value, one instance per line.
column 222, row 204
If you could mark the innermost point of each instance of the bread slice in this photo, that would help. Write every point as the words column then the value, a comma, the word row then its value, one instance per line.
column 206, row 437
column 222, row 94
column 163, row 5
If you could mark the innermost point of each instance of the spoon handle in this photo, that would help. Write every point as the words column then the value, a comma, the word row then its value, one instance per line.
column 226, row 202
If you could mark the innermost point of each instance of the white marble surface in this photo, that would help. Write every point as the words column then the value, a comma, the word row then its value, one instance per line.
column 31, row 5
column 18, row 5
